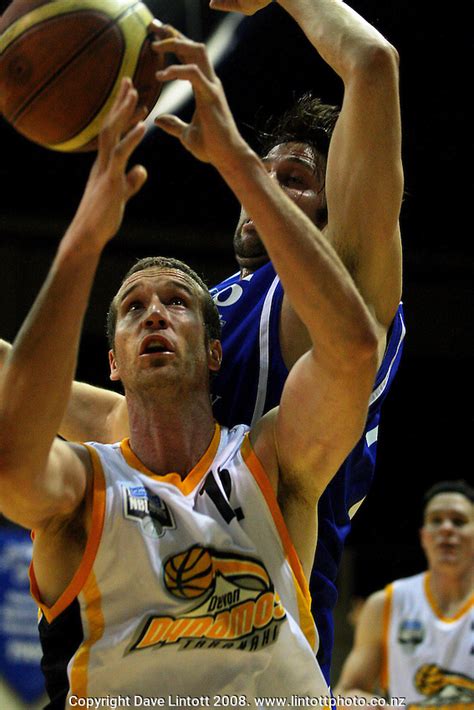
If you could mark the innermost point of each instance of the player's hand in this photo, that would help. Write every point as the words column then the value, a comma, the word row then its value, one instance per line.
column 246, row 7
column 212, row 135
column 110, row 185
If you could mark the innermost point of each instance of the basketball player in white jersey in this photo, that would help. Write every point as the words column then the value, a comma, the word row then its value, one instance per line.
column 415, row 638
column 176, row 561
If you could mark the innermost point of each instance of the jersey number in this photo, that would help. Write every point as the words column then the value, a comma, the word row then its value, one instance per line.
column 218, row 498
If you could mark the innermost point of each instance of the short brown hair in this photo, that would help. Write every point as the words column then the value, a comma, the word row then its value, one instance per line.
column 212, row 324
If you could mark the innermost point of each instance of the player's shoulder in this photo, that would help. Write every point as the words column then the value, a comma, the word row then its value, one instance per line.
column 413, row 580
column 376, row 601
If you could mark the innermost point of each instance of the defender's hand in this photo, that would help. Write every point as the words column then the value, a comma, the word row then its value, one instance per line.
column 212, row 134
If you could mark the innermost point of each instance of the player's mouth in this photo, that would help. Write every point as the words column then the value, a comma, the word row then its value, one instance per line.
column 155, row 345
column 448, row 548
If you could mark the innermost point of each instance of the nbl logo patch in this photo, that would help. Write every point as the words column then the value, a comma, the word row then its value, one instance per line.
column 148, row 509
column 411, row 633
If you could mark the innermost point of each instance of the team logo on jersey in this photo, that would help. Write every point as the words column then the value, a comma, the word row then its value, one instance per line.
column 147, row 508
column 411, row 632
column 443, row 689
column 236, row 605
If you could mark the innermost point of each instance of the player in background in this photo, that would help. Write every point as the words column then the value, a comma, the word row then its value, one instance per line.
column 414, row 639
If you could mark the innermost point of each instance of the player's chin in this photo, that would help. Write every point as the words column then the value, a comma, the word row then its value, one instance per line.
column 251, row 263
column 249, row 250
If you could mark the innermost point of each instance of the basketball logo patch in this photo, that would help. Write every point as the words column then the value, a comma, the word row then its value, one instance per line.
column 235, row 603
column 444, row 689
column 190, row 573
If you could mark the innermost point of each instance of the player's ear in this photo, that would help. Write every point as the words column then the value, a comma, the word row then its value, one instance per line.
column 214, row 357
column 114, row 370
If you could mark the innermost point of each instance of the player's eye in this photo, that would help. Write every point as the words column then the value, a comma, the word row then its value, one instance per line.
column 177, row 301
column 134, row 306
column 295, row 179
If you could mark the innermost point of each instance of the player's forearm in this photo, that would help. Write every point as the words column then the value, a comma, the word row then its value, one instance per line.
column 341, row 36
column 316, row 282
column 37, row 375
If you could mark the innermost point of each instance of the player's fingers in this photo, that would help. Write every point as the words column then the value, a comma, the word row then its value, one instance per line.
column 171, row 124
column 136, row 178
column 120, row 118
column 140, row 113
column 125, row 86
column 127, row 145
column 164, row 31
column 187, row 51
column 203, row 87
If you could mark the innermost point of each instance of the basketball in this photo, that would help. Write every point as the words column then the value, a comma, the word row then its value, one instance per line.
column 61, row 64
column 189, row 574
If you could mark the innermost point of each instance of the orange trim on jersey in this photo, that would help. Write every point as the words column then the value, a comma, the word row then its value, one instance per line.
column 435, row 608
column 82, row 573
column 307, row 624
column 193, row 478
column 93, row 632
column 302, row 589
column 387, row 613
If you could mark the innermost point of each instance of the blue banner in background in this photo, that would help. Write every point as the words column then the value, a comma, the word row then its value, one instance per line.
column 20, row 649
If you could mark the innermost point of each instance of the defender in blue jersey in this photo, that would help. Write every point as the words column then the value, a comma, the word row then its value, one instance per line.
column 343, row 169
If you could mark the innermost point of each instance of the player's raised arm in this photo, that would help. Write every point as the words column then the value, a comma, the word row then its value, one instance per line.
column 364, row 179
column 325, row 400
column 41, row 477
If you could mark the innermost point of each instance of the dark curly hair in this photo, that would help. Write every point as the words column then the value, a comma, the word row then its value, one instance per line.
column 308, row 121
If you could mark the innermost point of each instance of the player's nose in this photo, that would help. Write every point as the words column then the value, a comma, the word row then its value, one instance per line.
column 156, row 315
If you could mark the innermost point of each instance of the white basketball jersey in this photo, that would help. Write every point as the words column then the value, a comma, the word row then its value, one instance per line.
column 190, row 587
column 429, row 658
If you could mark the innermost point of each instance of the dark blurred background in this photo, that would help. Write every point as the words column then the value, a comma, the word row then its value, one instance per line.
column 187, row 211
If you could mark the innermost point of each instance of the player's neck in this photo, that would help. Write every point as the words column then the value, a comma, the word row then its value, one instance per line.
column 171, row 438
column 450, row 590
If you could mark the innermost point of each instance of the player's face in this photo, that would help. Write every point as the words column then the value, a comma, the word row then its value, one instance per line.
column 160, row 334
column 293, row 166
column 447, row 535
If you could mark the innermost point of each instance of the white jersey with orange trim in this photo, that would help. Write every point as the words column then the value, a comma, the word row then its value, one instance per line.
column 429, row 658
column 188, row 588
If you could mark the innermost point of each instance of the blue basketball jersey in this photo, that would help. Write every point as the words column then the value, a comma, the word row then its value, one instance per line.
column 251, row 383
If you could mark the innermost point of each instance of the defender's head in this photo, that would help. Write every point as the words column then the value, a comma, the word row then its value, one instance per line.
column 294, row 148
